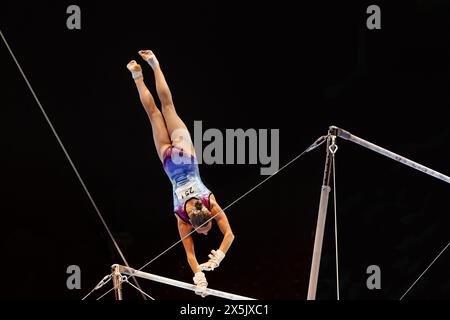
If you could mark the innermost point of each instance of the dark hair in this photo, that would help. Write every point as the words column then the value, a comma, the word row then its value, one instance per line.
column 199, row 214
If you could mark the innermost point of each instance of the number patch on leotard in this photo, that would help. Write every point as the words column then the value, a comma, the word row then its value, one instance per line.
column 186, row 191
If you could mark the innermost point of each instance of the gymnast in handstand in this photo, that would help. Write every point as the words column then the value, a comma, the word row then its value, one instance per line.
column 195, row 206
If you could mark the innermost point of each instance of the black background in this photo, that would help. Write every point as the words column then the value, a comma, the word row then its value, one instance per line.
column 295, row 67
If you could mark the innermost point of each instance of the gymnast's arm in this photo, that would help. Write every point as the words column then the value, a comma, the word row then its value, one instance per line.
column 184, row 229
column 224, row 225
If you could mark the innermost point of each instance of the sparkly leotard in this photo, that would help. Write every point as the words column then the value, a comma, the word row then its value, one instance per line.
column 182, row 170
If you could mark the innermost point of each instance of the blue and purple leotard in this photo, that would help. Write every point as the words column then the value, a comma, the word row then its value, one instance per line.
column 182, row 170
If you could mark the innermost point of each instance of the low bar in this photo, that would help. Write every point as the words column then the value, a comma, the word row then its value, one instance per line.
column 176, row 283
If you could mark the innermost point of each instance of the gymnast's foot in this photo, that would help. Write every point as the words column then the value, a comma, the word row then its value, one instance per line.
column 133, row 66
column 150, row 57
column 146, row 54
column 135, row 69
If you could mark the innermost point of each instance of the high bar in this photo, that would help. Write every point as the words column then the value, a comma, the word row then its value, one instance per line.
column 176, row 283
column 348, row 136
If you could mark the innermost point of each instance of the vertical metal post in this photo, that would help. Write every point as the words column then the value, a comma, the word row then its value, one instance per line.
column 321, row 218
column 117, row 281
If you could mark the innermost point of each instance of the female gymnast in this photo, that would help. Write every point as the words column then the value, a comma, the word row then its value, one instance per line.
column 194, row 205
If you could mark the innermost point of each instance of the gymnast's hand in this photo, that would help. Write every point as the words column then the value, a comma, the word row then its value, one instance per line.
column 214, row 260
column 201, row 283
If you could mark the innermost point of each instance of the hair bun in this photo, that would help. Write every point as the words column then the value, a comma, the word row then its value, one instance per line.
column 198, row 205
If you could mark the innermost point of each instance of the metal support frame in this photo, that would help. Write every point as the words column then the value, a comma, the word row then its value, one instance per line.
column 323, row 205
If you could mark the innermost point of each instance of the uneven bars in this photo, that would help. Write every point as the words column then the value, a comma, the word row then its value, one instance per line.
column 176, row 283
column 350, row 137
